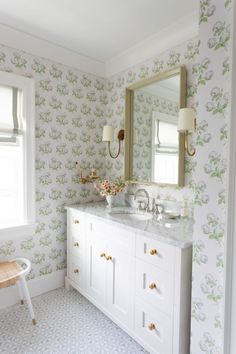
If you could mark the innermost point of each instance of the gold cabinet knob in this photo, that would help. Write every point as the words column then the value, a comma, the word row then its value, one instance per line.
column 76, row 221
column 76, row 244
column 109, row 258
column 152, row 286
column 153, row 252
column 76, row 271
column 151, row 327
column 103, row 255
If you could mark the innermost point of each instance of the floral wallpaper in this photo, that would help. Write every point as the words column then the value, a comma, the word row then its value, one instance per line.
column 72, row 107
column 145, row 104
column 213, row 89
column 70, row 110
column 184, row 54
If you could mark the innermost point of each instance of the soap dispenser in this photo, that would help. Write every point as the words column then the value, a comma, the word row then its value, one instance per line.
column 184, row 210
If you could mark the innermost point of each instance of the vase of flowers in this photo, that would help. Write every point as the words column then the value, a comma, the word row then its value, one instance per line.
column 110, row 190
column 111, row 200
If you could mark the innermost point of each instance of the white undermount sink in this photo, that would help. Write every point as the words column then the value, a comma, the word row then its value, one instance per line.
column 132, row 216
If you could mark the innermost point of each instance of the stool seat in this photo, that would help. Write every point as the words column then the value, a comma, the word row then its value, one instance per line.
column 9, row 273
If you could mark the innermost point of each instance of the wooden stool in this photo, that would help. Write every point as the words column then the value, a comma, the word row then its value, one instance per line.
column 12, row 273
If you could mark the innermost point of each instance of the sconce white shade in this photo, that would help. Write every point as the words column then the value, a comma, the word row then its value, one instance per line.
column 186, row 120
column 108, row 133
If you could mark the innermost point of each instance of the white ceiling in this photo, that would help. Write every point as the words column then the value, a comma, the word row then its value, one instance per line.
column 99, row 29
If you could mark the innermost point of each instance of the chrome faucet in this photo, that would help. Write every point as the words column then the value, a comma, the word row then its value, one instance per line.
column 142, row 190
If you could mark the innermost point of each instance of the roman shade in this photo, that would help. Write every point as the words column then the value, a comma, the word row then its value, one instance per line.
column 9, row 114
column 166, row 137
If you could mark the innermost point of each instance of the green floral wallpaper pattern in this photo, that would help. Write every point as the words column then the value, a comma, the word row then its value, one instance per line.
column 212, row 70
column 70, row 110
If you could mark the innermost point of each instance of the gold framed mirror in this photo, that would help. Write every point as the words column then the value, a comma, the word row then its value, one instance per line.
column 154, row 150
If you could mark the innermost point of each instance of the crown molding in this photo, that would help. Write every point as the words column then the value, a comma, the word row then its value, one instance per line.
column 31, row 44
column 179, row 32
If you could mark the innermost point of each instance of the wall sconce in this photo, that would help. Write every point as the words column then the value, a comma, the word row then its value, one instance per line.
column 187, row 125
column 108, row 136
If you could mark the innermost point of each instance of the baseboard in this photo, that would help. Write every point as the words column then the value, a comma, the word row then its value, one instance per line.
column 9, row 296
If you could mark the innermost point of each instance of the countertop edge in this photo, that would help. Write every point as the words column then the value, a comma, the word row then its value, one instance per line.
column 176, row 243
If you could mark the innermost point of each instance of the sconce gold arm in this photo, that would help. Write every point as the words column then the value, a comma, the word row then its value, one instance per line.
column 121, row 136
column 189, row 152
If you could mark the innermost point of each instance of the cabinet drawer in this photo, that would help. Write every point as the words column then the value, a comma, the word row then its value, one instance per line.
column 155, row 286
column 155, row 252
column 76, row 270
column 115, row 235
column 76, row 244
column 154, row 328
column 76, row 222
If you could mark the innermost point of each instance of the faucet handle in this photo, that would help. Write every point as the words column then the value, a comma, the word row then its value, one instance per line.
column 159, row 208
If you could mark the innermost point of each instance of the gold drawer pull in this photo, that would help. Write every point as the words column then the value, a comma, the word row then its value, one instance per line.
column 76, row 221
column 153, row 252
column 151, row 327
column 76, row 244
column 152, row 286
column 109, row 258
column 103, row 255
column 76, row 271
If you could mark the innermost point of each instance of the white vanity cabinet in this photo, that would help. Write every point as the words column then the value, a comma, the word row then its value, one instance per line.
column 142, row 284
column 110, row 269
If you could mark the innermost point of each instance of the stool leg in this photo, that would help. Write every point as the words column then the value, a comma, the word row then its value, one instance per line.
column 20, row 292
column 27, row 298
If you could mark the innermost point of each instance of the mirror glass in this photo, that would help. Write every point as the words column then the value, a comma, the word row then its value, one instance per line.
column 155, row 153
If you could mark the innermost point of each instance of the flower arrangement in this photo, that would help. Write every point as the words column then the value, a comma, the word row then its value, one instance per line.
column 106, row 187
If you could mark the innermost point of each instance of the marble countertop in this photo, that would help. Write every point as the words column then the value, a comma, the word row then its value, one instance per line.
column 177, row 233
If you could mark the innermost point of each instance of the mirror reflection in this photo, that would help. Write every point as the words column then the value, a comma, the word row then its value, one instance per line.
column 154, row 153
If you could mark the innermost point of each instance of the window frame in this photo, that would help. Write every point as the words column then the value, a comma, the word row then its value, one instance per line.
column 27, row 87
column 168, row 118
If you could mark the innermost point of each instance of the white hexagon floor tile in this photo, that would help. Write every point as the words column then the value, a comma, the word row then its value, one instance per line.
column 66, row 323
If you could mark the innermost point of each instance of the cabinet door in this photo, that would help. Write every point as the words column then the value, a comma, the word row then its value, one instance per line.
column 96, row 269
column 120, row 286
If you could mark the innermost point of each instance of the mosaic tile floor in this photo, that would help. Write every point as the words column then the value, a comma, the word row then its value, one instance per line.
column 66, row 323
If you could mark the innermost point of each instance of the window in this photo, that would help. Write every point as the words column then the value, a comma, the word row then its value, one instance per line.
column 165, row 149
column 17, row 192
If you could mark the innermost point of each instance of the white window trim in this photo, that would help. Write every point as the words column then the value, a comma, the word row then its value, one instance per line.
column 27, row 86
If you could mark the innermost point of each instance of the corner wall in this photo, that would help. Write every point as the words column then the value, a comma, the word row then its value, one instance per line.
column 213, row 72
